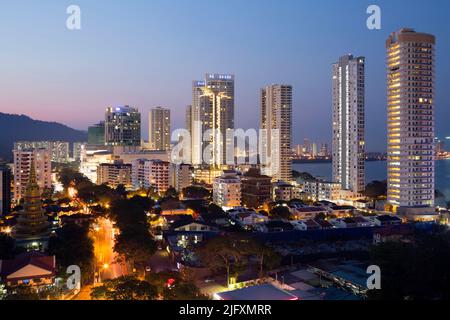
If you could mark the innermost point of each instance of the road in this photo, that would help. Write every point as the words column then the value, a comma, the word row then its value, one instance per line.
column 105, row 257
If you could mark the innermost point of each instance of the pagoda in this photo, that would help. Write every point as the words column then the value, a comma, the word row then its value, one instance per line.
column 32, row 223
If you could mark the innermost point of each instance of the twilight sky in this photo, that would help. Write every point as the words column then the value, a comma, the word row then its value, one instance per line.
column 146, row 53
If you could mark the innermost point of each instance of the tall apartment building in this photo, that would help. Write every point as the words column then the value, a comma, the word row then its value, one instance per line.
column 348, row 123
column 411, row 119
column 227, row 190
column 96, row 134
column 22, row 164
column 59, row 150
column 181, row 176
column 159, row 129
column 122, row 126
column 78, row 148
column 114, row 174
column 276, row 121
column 212, row 109
column 5, row 190
column 151, row 173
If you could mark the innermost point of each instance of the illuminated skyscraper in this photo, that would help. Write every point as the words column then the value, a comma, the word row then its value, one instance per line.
column 348, row 123
column 122, row 126
column 276, row 120
column 411, row 122
column 159, row 129
column 212, row 112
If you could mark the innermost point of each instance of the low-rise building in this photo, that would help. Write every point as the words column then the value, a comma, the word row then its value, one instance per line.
column 248, row 219
column 385, row 220
column 322, row 190
column 227, row 190
column 341, row 211
column 32, row 269
column 283, row 191
column 255, row 189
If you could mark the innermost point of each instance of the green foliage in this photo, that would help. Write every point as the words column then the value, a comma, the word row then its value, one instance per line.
column 234, row 252
column 7, row 245
column 134, row 243
column 280, row 212
column 22, row 293
column 416, row 270
column 196, row 192
column 125, row 288
column 73, row 246
column 172, row 193
column 305, row 176
column 136, row 247
column 182, row 289
column 376, row 189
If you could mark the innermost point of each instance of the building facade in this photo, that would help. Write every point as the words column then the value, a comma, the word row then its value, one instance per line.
column 212, row 116
column 323, row 190
column 276, row 122
column 59, row 150
column 122, row 126
column 22, row 167
column 181, row 176
column 255, row 189
column 159, row 129
column 227, row 190
column 77, row 150
column 411, row 118
column 151, row 174
column 96, row 134
column 349, row 123
column 114, row 174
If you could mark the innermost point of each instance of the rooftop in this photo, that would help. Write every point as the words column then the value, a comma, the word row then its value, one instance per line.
column 258, row 292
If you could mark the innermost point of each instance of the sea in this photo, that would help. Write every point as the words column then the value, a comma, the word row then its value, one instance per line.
column 376, row 170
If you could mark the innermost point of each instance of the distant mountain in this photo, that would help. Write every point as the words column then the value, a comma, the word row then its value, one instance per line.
column 15, row 127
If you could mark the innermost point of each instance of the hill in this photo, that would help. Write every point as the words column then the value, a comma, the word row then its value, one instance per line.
column 15, row 127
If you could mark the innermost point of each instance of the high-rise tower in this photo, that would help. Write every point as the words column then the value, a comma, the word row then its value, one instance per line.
column 348, row 123
column 411, row 119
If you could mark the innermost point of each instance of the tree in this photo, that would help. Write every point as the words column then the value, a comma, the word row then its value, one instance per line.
column 196, row 192
column 376, row 189
column 305, row 176
column 173, row 286
column 144, row 202
column 222, row 253
column 7, row 245
column 415, row 270
column 170, row 203
column 135, row 247
column 268, row 259
column 72, row 246
column 22, row 293
column 280, row 212
column 171, row 192
column 121, row 190
column 125, row 288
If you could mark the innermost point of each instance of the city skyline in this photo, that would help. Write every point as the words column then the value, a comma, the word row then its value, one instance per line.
column 56, row 83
